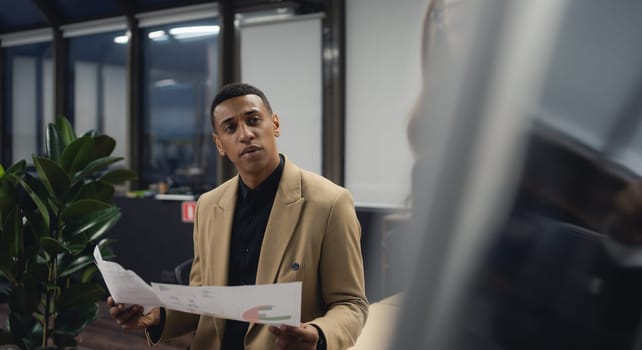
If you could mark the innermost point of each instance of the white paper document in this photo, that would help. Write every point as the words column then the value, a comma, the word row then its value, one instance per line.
column 278, row 303
column 266, row 303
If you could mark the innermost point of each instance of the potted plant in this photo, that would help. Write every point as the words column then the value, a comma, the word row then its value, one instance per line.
column 49, row 226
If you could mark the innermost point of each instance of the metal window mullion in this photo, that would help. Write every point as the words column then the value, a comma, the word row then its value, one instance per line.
column 134, row 96
column 333, row 70
column 5, row 133
column 60, row 75
column 40, row 109
column 100, row 97
column 229, row 70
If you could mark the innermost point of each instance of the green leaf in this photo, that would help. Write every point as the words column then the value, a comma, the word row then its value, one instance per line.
column 118, row 176
column 77, row 155
column 65, row 130
column 12, row 235
column 42, row 208
column 98, row 190
column 89, row 274
column 93, row 225
column 53, row 176
column 81, row 208
column 38, row 270
column 15, row 229
column 78, row 243
column 73, row 320
column 76, row 265
column 80, row 294
column 72, row 194
column 37, row 186
column 24, row 327
column 25, row 298
column 52, row 246
column 96, row 165
column 8, row 199
column 54, row 143
column 36, row 223
column 104, row 225
column 104, row 145
column 105, row 248
column 1, row 171
column 17, row 168
column 90, row 133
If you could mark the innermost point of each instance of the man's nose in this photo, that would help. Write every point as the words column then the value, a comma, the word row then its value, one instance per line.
column 245, row 133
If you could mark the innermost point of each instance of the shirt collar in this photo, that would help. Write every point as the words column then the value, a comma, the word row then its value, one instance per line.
column 269, row 185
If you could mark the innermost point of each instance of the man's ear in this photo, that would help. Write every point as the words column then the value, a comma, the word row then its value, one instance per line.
column 277, row 125
column 217, row 142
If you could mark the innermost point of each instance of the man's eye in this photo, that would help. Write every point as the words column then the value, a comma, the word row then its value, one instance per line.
column 228, row 129
column 253, row 121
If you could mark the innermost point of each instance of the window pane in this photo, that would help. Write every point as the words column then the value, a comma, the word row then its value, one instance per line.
column 29, row 103
column 98, row 68
column 180, row 63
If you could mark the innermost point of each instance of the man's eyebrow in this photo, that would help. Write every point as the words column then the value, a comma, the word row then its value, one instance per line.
column 226, row 120
column 247, row 113
column 251, row 111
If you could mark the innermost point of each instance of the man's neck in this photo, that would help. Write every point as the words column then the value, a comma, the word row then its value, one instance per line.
column 253, row 180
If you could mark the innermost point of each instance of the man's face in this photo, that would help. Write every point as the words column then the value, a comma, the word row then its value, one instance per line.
column 246, row 132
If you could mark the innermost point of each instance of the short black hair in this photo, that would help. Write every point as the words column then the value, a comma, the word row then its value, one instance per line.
column 234, row 90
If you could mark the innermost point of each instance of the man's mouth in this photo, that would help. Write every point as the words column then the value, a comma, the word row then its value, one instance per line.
column 250, row 149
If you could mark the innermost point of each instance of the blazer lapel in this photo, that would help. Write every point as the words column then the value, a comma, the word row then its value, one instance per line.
column 284, row 216
column 283, row 219
column 221, row 223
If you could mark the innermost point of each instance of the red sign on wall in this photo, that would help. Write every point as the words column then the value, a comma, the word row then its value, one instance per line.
column 189, row 210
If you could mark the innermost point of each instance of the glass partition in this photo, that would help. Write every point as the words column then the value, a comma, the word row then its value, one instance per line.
column 28, row 90
column 98, row 80
column 179, row 79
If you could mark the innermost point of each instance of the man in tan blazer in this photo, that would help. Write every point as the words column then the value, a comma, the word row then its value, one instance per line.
column 311, row 234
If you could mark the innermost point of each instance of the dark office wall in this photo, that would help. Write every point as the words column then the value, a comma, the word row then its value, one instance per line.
column 150, row 238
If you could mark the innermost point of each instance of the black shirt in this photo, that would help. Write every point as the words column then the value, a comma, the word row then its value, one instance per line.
column 253, row 207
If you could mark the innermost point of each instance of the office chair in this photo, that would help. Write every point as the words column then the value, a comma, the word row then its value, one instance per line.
column 182, row 271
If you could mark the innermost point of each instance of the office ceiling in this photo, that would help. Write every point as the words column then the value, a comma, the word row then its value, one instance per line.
column 20, row 15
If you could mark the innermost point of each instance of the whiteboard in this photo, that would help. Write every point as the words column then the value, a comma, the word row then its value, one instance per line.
column 283, row 59
column 383, row 79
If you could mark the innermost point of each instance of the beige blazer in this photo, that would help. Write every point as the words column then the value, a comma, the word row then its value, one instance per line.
column 312, row 223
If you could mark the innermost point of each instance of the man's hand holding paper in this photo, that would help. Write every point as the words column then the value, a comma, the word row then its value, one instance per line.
column 132, row 316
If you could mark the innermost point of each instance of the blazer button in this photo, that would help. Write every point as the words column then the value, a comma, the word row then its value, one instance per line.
column 295, row 266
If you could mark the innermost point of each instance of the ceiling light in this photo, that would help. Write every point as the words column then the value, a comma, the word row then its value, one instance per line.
column 165, row 82
column 194, row 31
column 122, row 39
column 158, row 35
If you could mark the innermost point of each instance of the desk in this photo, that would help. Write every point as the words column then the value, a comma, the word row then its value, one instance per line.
column 381, row 324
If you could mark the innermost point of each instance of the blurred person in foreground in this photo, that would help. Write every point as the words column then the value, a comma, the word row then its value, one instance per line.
column 623, row 228
column 274, row 222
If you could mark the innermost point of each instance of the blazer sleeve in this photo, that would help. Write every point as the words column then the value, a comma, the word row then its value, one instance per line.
column 341, row 276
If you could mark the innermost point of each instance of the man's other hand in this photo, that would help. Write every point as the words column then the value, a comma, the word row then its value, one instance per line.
column 132, row 317
column 304, row 337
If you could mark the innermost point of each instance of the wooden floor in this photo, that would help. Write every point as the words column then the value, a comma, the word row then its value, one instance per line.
column 105, row 334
